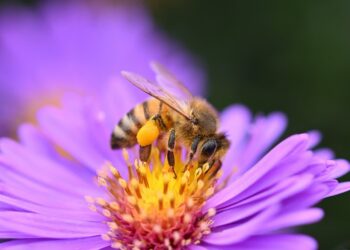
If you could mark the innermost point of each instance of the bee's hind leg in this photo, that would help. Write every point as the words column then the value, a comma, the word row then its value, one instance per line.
column 170, row 151
column 145, row 152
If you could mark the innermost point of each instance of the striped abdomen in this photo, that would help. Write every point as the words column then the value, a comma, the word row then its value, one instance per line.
column 124, row 134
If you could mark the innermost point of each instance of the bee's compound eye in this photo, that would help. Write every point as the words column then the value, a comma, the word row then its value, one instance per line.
column 209, row 148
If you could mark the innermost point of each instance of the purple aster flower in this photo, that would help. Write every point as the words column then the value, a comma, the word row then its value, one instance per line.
column 64, row 165
column 75, row 46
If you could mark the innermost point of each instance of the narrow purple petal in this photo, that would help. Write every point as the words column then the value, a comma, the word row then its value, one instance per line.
column 279, row 173
column 235, row 122
column 261, row 201
column 19, row 157
column 292, row 145
column 263, row 134
column 306, row 198
column 341, row 168
column 23, row 188
column 272, row 242
column 240, row 232
column 49, row 227
column 293, row 219
column 84, row 215
column 91, row 243
column 340, row 188
column 315, row 138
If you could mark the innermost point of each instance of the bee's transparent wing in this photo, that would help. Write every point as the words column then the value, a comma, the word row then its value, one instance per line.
column 168, row 82
column 158, row 92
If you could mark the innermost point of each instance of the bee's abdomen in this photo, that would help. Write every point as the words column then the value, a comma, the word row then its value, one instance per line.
column 124, row 133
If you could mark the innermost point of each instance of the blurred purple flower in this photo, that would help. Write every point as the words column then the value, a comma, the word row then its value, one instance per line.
column 73, row 46
column 260, row 196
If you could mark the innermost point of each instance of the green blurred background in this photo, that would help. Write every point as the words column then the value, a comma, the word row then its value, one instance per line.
column 291, row 56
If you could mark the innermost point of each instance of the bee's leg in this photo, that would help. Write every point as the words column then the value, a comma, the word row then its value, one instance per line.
column 193, row 151
column 170, row 151
column 214, row 167
column 145, row 152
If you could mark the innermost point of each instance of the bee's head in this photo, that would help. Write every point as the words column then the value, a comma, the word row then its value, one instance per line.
column 215, row 146
column 203, row 116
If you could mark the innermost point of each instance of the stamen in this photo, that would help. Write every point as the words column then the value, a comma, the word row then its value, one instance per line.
column 149, row 209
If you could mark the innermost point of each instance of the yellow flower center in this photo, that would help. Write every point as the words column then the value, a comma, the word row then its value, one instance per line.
column 153, row 210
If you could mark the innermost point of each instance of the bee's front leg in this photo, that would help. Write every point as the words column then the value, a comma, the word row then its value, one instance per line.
column 214, row 167
column 193, row 151
column 170, row 151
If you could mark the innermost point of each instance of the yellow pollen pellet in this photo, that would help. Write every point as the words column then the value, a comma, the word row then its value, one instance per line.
column 148, row 133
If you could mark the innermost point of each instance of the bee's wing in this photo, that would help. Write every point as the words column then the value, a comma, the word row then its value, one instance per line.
column 181, row 106
column 167, row 81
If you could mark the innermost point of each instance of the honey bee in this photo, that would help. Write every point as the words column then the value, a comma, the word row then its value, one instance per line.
column 173, row 110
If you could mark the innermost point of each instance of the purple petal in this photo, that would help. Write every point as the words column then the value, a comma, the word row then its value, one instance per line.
column 262, row 201
column 340, row 188
column 26, row 189
column 235, row 122
column 279, row 173
column 293, row 219
column 49, row 227
column 84, row 215
column 306, row 198
column 19, row 157
column 315, row 138
column 272, row 242
column 91, row 243
column 240, row 232
column 341, row 168
column 293, row 145
column 263, row 134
